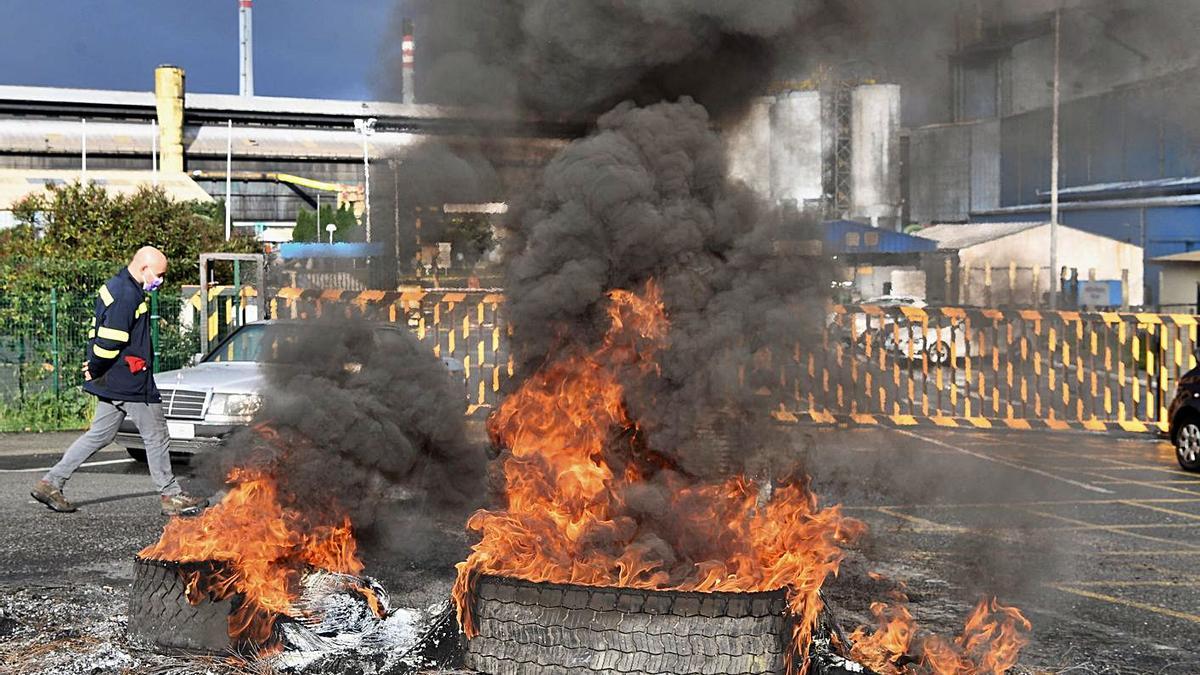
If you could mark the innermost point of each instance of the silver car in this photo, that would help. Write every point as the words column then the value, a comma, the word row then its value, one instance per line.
column 206, row 402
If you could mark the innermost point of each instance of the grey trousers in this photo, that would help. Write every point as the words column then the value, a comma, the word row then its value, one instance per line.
column 151, row 424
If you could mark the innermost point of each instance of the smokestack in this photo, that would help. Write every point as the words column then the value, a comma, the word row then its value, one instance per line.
column 406, row 46
column 246, row 43
column 168, row 100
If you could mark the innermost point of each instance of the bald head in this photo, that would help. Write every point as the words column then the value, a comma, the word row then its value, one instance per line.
column 148, row 264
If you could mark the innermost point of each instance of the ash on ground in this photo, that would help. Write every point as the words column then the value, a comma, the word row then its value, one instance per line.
column 80, row 630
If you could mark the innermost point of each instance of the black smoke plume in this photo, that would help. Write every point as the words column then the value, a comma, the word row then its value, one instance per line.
column 365, row 414
column 646, row 198
column 573, row 56
column 409, row 191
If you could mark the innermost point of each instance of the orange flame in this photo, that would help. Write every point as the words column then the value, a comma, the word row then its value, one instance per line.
column 989, row 644
column 261, row 548
column 572, row 463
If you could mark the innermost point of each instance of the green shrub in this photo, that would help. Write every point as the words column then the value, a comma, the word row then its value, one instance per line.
column 43, row 411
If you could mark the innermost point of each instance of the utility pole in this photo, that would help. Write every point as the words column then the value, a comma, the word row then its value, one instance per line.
column 1055, row 275
column 228, row 179
column 366, row 127
column 154, row 149
column 83, row 151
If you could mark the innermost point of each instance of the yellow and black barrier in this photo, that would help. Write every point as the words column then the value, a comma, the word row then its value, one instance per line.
column 953, row 366
column 904, row 366
column 465, row 324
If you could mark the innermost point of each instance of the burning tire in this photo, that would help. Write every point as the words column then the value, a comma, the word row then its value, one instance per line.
column 527, row 627
column 160, row 614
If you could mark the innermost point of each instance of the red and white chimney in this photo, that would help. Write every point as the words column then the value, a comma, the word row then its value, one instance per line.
column 407, row 46
column 246, row 51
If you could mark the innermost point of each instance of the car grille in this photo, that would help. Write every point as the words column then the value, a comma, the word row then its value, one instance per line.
column 186, row 403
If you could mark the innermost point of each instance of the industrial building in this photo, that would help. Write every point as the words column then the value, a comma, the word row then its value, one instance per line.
column 1128, row 141
column 269, row 141
column 1005, row 264
column 831, row 147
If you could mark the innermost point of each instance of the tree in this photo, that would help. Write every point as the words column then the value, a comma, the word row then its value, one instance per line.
column 470, row 234
column 306, row 225
column 75, row 223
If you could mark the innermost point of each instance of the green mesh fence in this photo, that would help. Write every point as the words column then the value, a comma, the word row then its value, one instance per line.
column 44, row 337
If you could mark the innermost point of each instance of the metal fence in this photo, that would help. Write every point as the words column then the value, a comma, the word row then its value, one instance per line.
column 946, row 366
column 464, row 324
column 1018, row 367
column 43, row 344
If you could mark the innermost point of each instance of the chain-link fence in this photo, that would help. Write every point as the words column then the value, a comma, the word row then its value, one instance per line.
column 44, row 338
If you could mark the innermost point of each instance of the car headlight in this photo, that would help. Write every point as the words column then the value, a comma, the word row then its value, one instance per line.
column 235, row 405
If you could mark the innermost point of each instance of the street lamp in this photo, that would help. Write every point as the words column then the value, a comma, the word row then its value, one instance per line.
column 331, row 228
column 366, row 127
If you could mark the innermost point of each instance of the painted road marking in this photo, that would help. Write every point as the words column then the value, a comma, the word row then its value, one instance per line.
column 1084, row 525
column 1146, row 554
column 1117, row 583
column 43, row 469
column 996, row 505
column 926, row 525
column 997, row 460
column 1182, row 514
column 1128, row 603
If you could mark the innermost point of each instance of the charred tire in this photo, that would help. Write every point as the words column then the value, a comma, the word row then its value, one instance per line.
column 138, row 454
column 1187, row 444
column 160, row 614
column 527, row 627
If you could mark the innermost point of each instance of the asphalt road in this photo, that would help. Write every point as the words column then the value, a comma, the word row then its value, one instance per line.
column 1093, row 536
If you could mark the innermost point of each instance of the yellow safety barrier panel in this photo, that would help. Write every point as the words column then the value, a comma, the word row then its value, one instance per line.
column 951, row 366
column 900, row 366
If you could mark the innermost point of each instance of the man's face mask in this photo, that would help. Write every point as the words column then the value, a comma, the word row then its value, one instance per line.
column 152, row 282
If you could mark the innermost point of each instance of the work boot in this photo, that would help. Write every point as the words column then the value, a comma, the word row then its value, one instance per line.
column 52, row 497
column 182, row 505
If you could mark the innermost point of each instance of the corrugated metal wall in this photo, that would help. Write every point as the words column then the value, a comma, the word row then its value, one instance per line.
column 954, row 169
column 1138, row 133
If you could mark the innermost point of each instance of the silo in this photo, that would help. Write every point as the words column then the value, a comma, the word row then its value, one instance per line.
column 797, row 157
column 748, row 146
column 875, row 154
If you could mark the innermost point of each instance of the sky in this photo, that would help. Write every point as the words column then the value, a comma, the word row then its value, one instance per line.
column 305, row 48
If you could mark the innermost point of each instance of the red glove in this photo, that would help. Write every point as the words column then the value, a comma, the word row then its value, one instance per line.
column 136, row 364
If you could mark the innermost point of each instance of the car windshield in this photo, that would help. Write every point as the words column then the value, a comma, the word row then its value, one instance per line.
column 259, row 343
column 245, row 345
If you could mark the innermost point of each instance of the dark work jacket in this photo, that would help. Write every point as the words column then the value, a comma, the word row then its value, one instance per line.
column 120, row 355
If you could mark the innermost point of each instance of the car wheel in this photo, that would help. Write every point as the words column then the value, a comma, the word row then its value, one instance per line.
column 938, row 353
column 1187, row 446
column 138, row 454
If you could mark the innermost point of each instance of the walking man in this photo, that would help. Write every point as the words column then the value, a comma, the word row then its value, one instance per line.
column 119, row 372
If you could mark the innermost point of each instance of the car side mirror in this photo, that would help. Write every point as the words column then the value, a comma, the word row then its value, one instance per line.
column 196, row 359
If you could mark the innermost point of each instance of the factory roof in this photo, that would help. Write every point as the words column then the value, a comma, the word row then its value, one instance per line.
column 955, row 237
column 849, row 236
column 15, row 184
column 65, row 137
column 1185, row 185
column 1188, row 257
column 1132, row 203
column 58, row 101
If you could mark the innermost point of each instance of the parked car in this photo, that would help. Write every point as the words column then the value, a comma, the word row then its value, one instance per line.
column 1184, row 416
column 908, row 339
column 206, row 402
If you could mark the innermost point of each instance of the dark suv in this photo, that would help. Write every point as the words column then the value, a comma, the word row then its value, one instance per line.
column 1185, row 420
